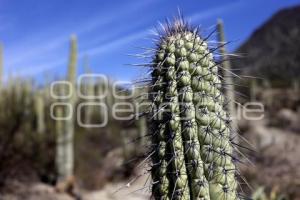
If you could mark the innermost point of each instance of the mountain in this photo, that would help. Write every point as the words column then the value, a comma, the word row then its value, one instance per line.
column 273, row 50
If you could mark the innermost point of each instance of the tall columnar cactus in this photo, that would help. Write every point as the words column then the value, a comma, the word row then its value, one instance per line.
column 296, row 86
column 229, row 89
column 268, row 99
column 110, row 99
column 69, row 126
column 192, row 154
column 253, row 90
column 27, row 99
column 72, row 60
column 89, row 90
column 65, row 149
column 99, row 88
column 17, row 88
column 142, row 130
column 39, row 112
column 1, row 64
column 60, row 141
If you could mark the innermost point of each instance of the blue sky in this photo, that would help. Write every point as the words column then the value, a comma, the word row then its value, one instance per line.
column 35, row 33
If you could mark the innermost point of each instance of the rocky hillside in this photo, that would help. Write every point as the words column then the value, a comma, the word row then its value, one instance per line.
column 273, row 50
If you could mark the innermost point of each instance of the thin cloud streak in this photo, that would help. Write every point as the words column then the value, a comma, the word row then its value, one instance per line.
column 113, row 45
column 135, row 36
column 99, row 21
column 214, row 11
column 27, row 50
column 107, row 47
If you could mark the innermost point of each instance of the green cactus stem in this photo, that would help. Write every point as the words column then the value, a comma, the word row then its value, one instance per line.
column 295, row 86
column 142, row 130
column 268, row 99
column 65, row 145
column 40, row 114
column 1, row 65
column 192, row 154
column 99, row 88
column 69, row 123
column 110, row 99
column 253, row 90
column 60, row 141
column 27, row 100
column 89, row 90
column 72, row 61
column 229, row 89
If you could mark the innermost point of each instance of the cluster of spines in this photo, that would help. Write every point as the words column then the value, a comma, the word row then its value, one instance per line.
column 192, row 151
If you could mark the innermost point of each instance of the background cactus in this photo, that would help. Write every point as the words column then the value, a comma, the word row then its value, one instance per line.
column 27, row 98
column 65, row 146
column 60, row 155
column 296, row 86
column 69, row 127
column 89, row 90
column 192, row 154
column 267, row 87
column 253, row 90
column 1, row 64
column 40, row 114
column 72, row 61
column 229, row 84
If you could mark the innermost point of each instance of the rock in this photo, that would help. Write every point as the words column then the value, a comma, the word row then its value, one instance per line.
column 33, row 191
column 287, row 118
column 275, row 160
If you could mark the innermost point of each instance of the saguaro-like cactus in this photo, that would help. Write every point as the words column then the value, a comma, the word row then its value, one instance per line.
column 89, row 90
column 27, row 99
column 60, row 140
column 69, row 126
column 192, row 154
column 268, row 99
column 229, row 89
column 296, row 86
column 253, row 90
column 1, row 64
column 39, row 111
column 72, row 69
column 65, row 139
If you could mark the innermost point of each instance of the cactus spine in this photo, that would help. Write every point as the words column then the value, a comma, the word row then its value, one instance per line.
column 192, row 152
column 229, row 90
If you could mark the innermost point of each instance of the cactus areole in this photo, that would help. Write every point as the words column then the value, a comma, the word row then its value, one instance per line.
column 191, row 148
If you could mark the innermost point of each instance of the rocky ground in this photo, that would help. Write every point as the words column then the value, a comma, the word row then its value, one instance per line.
column 39, row 191
column 274, row 157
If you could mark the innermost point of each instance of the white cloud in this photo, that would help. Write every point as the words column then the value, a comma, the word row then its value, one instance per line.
column 26, row 52
column 115, row 44
column 30, row 50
